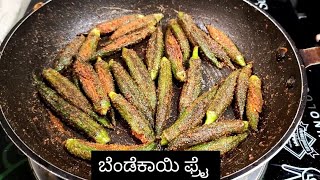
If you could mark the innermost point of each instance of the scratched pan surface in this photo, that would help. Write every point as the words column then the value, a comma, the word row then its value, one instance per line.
column 37, row 39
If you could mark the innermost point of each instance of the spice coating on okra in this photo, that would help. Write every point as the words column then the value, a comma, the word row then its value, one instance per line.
column 192, row 87
column 149, row 20
column 140, row 74
column 72, row 115
column 124, row 41
column 174, row 54
column 114, row 24
column 207, row 133
column 241, row 90
column 223, row 144
column 140, row 126
column 165, row 91
column 190, row 117
column 130, row 90
column 89, row 46
column 154, row 52
column 83, row 149
column 65, row 58
column 182, row 39
column 230, row 48
column 223, row 98
column 254, row 101
column 103, row 71
column 92, row 87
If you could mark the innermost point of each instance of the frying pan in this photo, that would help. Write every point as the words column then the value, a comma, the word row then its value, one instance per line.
column 35, row 41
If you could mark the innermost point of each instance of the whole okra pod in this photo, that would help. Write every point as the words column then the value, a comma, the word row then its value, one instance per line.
column 254, row 101
column 131, row 91
column 65, row 58
column 192, row 87
column 140, row 74
column 83, row 149
column 182, row 39
column 223, row 144
column 223, row 98
column 165, row 91
column 140, row 126
column 190, row 117
column 227, row 44
column 112, row 25
column 124, row 41
column 72, row 94
column 174, row 54
column 154, row 52
column 149, row 20
column 89, row 46
column 92, row 87
column 72, row 115
column 207, row 133
column 241, row 90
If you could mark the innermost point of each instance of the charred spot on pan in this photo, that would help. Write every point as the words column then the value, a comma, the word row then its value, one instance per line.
column 291, row 82
column 281, row 53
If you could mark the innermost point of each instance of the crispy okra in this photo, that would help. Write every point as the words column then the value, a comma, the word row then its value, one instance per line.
column 89, row 46
column 140, row 74
column 227, row 44
column 254, row 101
column 154, row 52
column 140, row 126
column 165, row 91
column 207, row 132
column 149, row 20
column 190, row 117
column 241, row 90
column 72, row 115
column 192, row 87
column 65, row 58
column 223, row 98
column 174, row 54
column 83, row 149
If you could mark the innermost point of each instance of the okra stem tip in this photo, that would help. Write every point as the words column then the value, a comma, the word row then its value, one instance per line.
column 240, row 60
column 211, row 117
column 163, row 141
column 102, row 138
column 153, row 74
column 181, row 76
column 158, row 16
column 112, row 95
column 195, row 53
column 246, row 125
column 180, row 14
column 96, row 31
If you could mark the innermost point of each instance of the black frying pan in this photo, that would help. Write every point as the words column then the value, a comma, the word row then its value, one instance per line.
column 35, row 40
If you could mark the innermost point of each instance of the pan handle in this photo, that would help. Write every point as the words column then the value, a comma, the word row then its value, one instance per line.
column 310, row 56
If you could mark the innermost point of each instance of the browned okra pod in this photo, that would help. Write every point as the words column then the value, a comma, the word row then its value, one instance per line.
column 254, row 102
column 89, row 46
column 165, row 91
column 192, row 87
column 154, row 52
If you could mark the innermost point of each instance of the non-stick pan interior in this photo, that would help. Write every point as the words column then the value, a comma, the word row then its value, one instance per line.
column 39, row 37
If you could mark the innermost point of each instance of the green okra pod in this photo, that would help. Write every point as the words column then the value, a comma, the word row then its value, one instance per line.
column 254, row 101
column 165, row 91
column 207, row 132
column 112, row 25
column 195, row 36
column 92, row 87
column 140, row 74
column 223, row 144
column 241, row 90
column 131, row 91
column 103, row 71
column 192, row 87
column 68, row 91
column 72, row 115
column 182, row 39
column 124, row 41
column 65, row 58
column 223, row 98
column 174, row 54
column 190, row 117
column 149, row 20
column 230, row 48
column 140, row 126
column 83, row 149
column 154, row 52
column 89, row 46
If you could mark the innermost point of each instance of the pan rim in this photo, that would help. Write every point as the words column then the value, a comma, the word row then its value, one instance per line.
column 238, row 174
